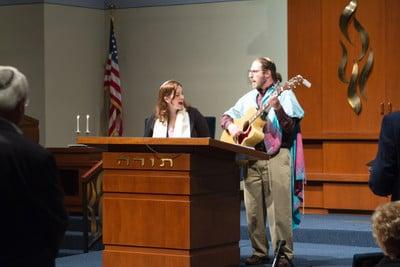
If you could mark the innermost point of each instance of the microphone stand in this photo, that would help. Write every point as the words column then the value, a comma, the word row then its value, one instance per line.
column 279, row 253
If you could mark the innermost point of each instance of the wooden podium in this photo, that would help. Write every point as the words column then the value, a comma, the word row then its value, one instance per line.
column 170, row 202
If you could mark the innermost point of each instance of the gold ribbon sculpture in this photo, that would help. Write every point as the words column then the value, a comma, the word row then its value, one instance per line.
column 353, row 98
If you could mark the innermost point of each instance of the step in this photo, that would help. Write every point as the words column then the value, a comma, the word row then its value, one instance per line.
column 333, row 229
column 75, row 223
column 68, row 252
column 72, row 240
column 311, row 254
column 91, row 259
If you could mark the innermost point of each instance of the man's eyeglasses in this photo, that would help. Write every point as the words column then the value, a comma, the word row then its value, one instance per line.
column 253, row 71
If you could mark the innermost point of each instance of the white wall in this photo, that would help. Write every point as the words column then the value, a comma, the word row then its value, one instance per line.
column 61, row 50
column 75, row 51
column 21, row 46
column 208, row 47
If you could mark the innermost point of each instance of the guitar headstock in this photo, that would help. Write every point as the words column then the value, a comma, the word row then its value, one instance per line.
column 294, row 82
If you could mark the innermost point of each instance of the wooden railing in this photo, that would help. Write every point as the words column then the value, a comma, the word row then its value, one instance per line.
column 92, row 192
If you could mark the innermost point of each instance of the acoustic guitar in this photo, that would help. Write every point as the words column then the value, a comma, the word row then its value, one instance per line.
column 252, row 124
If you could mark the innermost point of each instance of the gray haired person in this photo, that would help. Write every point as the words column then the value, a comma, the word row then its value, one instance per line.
column 33, row 215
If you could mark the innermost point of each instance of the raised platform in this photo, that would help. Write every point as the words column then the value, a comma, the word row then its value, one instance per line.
column 321, row 240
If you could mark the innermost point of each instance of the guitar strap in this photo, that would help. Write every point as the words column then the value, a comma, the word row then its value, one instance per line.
column 272, row 129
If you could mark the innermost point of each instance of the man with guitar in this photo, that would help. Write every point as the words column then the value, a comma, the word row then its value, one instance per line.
column 269, row 183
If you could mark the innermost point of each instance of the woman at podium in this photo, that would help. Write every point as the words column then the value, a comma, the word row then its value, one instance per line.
column 173, row 116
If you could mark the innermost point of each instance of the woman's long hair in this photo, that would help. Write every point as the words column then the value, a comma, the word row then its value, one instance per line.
column 168, row 88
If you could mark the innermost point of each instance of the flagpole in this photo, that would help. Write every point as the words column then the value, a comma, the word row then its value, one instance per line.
column 111, row 7
column 106, row 94
column 112, row 83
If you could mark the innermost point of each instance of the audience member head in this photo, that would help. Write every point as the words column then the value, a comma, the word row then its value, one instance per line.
column 13, row 94
column 170, row 99
column 386, row 228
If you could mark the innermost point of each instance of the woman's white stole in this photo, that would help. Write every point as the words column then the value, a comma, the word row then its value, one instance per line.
column 181, row 129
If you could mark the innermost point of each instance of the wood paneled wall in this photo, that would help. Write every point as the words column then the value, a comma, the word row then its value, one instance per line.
column 338, row 143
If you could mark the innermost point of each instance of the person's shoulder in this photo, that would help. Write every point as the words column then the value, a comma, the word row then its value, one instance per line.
column 288, row 93
column 393, row 116
column 391, row 121
column 252, row 92
column 26, row 148
column 387, row 262
column 192, row 109
column 151, row 118
column 39, row 151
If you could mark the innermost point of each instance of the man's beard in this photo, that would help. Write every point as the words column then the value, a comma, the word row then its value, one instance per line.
column 260, row 85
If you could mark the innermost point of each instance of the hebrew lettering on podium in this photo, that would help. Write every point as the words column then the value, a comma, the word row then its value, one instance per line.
column 171, row 163
column 127, row 161
column 123, row 159
column 141, row 160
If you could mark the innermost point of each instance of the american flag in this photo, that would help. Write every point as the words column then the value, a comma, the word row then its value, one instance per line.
column 112, row 83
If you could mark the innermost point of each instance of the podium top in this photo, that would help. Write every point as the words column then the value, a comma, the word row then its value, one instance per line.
column 115, row 143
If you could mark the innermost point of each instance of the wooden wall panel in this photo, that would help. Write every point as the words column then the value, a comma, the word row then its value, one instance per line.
column 313, row 155
column 314, row 195
column 339, row 119
column 392, row 54
column 304, row 53
column 337, row 142
column 348, row 157
column 350, row 197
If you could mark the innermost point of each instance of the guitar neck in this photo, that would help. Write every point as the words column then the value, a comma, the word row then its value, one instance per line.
column 289, row 85
column 267, row 107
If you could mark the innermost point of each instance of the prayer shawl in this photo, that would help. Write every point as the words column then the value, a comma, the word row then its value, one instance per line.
column 273, row 137
column 298, row 176
column 181, row 129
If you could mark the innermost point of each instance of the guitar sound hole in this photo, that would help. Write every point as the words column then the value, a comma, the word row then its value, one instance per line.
column 245, row 126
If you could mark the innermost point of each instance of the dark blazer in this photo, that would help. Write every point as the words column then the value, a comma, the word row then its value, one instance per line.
column 387, row 262
column 384, row 179
column 198, row 124
column 33, row 217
